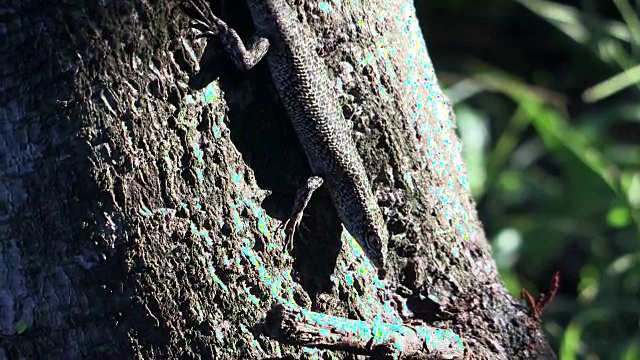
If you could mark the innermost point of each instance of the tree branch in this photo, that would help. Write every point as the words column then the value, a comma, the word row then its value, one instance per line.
column 298, row 326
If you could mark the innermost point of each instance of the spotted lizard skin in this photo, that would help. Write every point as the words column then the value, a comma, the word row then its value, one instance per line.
column 306, row 90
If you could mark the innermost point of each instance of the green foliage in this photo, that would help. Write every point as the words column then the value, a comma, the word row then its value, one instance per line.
column 21, row 326
column 551, row 131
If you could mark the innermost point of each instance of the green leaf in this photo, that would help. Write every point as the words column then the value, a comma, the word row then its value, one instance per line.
column 21, row 326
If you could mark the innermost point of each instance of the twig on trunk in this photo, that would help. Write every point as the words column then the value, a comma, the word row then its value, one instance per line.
column 379, row 340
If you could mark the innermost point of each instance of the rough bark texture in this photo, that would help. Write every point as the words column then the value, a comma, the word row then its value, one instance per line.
column 139, row 214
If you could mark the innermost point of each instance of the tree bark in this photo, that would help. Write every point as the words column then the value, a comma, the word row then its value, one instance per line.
column 140, row 201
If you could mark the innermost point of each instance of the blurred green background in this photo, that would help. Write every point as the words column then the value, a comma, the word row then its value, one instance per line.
column 547, row 97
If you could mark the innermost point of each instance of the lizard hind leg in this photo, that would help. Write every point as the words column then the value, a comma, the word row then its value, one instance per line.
column 303, row 196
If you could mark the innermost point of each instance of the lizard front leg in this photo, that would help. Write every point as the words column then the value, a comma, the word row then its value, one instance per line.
column 210, row 25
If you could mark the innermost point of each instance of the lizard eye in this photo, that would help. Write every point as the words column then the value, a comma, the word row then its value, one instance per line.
column 373, row 240
column 375, row 250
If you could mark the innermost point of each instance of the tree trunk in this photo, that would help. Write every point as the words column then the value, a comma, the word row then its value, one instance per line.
column 140, row 206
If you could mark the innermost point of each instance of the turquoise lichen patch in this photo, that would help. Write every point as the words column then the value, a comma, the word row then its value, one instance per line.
column 217, row 280
column 273, row 283
column 200, row 174
column 197, row 152
column 260, row 214
column 311, row 351
column 383, row 93
column 218, row 334
column 263, row 227
column 441, row 337
column 185, row 207
column 256, row 344
column 325, row 7
column 244, row 329
column 349, row 279
column 204, row 233
column 145, row 211
column 239, row 225
column 212, row 273
column 236, row 178
column 455, row 251
column 209, row 95
column 254, row 299
column 408, row 179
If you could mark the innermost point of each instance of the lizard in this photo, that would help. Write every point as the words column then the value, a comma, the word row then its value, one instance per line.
column 304, row 87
